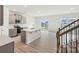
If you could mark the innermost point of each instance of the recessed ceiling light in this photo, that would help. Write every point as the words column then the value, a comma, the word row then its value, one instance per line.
column 25, row 6
column 14, row 9
column 72, row 8
column 38, row 12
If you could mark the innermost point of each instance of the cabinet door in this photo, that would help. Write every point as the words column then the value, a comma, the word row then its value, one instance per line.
column 1, row 15
column 23, row 37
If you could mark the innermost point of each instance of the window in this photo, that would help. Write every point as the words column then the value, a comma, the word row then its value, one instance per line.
column 44, row 24
column 65, row 22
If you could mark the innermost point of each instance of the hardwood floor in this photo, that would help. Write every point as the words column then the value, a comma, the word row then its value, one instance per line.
column 46, row 44
column 23, row 48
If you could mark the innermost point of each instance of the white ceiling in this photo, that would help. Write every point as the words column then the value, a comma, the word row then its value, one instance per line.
column 43, row 10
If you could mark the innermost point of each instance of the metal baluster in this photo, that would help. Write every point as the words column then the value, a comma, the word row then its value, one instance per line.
column 70, row 39
column 66, row 43
column 61, row 45
column 76, row 42
column 71, row 42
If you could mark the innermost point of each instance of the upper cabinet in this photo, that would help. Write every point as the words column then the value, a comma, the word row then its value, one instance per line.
column 16, row 18
column 1, row 15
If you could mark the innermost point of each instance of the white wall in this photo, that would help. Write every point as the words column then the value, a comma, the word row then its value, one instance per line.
column 30, row 21
column 38, row 22
column 54, row 21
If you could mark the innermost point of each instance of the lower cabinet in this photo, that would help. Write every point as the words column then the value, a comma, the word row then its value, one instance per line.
column 8, row 48
column 23, row 37
column 29, row 36
column 12, row 32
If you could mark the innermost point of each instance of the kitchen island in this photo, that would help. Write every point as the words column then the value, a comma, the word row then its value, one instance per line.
column 29, row 35
column 6, row 45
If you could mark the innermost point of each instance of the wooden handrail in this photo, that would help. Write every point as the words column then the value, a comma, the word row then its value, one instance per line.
column 69, row 24
column 69, row 30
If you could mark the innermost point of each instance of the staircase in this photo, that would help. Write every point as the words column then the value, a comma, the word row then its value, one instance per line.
column 68, row 38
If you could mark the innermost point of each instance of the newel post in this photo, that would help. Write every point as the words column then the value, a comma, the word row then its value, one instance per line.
column 58, row 40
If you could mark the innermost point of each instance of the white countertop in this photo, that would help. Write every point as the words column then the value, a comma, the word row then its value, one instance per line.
column 5, row 40
column 31, row 30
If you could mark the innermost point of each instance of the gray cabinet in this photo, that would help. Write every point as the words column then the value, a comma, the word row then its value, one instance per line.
column 8, row 48
column 1, row 15
column 12, row 32
column 23, row 37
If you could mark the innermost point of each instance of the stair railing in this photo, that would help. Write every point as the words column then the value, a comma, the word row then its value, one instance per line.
column 65, row 42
